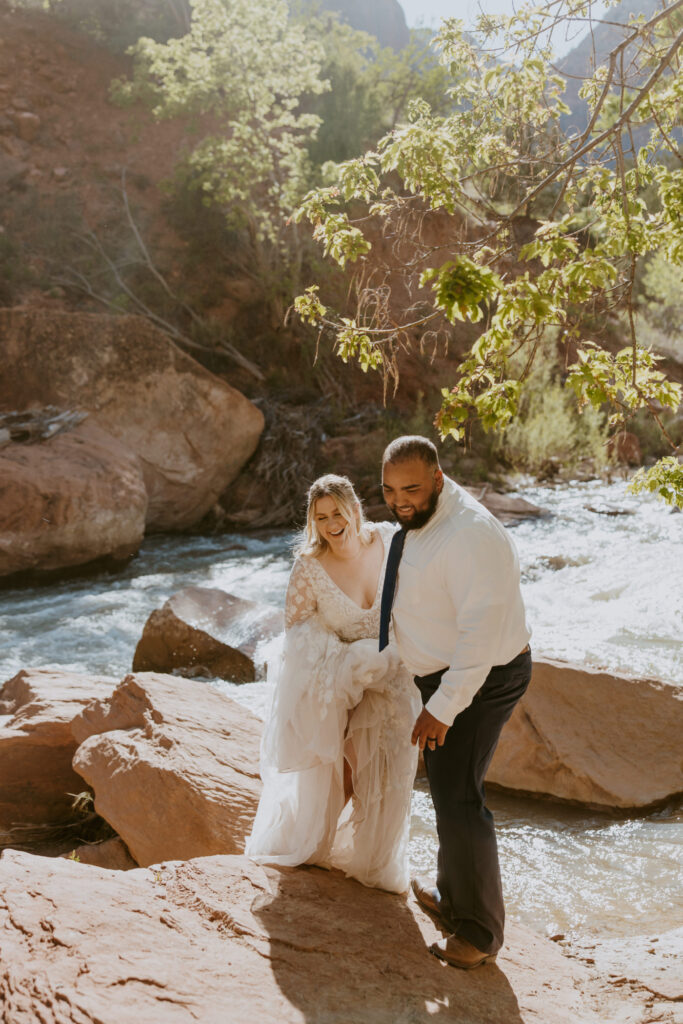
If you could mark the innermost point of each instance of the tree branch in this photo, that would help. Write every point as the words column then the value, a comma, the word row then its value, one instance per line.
column 587, row 146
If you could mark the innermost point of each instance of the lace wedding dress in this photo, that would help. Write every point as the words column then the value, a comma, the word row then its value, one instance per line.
column 337, row 697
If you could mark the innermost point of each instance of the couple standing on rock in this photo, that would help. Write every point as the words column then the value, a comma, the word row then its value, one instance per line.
column 339, row 751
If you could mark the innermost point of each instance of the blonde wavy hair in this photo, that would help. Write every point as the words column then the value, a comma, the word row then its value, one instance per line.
column 341, row 490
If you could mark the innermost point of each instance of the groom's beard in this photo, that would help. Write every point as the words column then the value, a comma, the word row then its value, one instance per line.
column 418, row 517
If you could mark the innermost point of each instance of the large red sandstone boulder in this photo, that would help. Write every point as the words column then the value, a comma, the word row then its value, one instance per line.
column 37, row 745
column 219, row 939
column 174, row 766
column 203, row 631
column 191, row 431
column 71, row 499
column 593, row 737
column 508, row 508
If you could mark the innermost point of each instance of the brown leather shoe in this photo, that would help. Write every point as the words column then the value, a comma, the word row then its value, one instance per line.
column 460, row 953
column 427, row 895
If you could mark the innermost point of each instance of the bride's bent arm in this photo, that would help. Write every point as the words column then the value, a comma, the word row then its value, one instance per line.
column 301, row 602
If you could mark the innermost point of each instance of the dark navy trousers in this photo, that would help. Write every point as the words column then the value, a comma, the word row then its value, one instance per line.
column 468, row 872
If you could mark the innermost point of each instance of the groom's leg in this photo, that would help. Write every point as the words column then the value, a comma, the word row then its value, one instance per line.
column 468, row 875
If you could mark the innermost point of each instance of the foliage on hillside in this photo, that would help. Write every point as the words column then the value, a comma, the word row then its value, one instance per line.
column 247, row 66
column 118, row 24
column 271, row 98
column 370, row 88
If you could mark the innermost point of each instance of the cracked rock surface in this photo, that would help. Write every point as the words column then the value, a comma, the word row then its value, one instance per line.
column 190, row 430
column 37, row 746
column 219, row 939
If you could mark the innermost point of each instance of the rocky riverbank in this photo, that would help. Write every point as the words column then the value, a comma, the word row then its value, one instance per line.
column 218, row 938
column 200, row 933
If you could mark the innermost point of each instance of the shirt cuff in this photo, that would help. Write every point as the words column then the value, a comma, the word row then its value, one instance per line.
column 456, row 692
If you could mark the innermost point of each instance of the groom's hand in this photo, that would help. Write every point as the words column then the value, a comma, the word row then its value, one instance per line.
column 428, row 730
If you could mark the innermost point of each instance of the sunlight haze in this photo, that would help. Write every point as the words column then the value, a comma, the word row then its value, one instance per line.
column 429, row 13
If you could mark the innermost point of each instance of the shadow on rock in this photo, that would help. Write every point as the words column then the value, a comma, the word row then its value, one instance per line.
column 341, row 952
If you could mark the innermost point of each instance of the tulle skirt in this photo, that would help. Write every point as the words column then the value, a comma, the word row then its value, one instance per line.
column 337, row 700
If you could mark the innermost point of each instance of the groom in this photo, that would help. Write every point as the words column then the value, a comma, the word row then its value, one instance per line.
column 460, row 627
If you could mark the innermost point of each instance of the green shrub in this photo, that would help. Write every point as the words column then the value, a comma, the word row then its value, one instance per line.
column 549, row 435
column 662, row 305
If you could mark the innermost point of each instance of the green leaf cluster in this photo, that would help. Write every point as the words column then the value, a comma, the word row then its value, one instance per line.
column 371, row 87
column 664, row 479
column 354, row 344
column 309, row 307
column 462, row 288
column 626, row 381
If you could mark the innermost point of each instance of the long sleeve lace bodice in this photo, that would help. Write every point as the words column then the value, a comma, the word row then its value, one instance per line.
column 312, row 590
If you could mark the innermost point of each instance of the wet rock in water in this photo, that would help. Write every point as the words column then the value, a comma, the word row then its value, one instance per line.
column 553, row 562
column 508, row 508
column 592, row 737
column 112, row 854
column 77, row 497
column 220, row 939
column 191, row 431
column 37, row 745
column 557, row 562
column 174, row 766
column 190, row 634
column 605, row 509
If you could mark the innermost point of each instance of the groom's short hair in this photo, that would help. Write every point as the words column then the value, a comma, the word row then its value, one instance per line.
column 411, row 446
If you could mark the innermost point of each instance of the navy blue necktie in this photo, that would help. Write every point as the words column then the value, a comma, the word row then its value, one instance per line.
column 389, row 588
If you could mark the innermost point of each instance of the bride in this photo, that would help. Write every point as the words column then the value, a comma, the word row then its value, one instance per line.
column 336, row 759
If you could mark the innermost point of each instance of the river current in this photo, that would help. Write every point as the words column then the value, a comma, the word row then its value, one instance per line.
column 602, row 589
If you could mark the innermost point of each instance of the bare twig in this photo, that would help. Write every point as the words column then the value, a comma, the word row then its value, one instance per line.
column 79, row 280
column 658, row 420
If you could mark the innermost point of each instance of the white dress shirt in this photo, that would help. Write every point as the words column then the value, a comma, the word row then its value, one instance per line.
column 458, row 603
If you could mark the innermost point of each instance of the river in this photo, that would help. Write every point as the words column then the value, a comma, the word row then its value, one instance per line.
column 604, row 589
